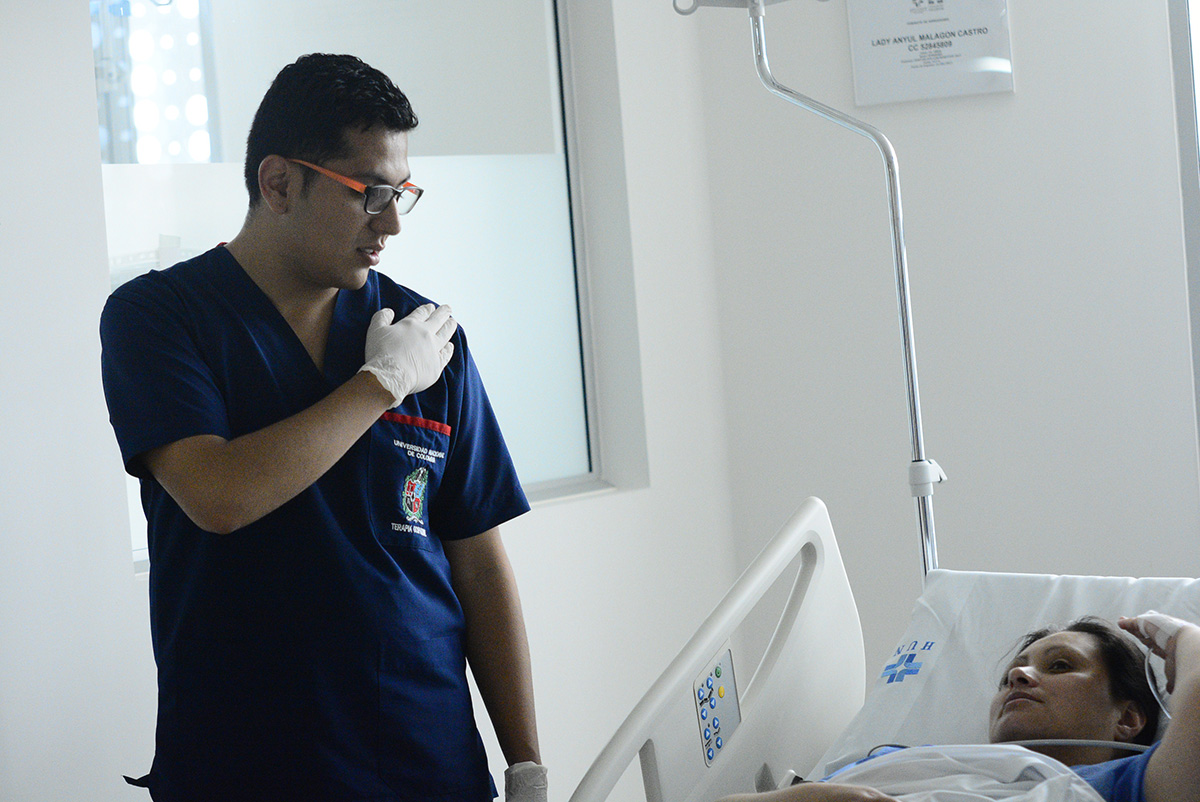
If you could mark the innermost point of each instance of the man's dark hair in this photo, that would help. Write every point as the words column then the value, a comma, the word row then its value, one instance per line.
column 312, row 103
column 1124, row 662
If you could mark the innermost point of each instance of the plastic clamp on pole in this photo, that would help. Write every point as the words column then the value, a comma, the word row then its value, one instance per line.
column 923, row 475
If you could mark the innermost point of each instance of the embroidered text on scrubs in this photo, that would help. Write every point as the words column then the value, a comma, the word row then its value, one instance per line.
column 419, row 452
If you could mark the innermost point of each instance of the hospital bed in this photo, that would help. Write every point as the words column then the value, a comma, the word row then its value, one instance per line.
column 800, row 711
column 712, row 725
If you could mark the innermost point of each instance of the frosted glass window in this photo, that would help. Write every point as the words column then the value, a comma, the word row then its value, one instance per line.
column 493, row 235
column 152, row 66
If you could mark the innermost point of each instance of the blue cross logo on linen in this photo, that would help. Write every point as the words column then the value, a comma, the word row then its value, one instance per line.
column 905, row 666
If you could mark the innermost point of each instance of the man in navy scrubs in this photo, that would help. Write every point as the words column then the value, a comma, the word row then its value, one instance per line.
column 324, row 480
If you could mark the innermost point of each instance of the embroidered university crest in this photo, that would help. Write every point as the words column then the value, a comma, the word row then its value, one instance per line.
column 413, row 499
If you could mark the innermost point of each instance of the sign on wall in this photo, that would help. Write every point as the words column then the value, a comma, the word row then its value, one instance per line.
column 922, row 49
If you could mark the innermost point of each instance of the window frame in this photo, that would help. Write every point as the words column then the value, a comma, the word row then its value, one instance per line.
column 603, row 266
column 1188, row 139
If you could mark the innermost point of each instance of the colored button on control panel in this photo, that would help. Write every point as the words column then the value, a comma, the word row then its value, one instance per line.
column 716, row 703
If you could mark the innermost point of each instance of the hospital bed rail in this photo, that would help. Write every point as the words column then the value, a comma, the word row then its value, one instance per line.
column 817, row 643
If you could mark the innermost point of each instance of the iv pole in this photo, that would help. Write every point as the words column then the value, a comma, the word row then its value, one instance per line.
column 923, row 473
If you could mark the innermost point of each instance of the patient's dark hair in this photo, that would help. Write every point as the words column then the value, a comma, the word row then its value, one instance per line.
column 312, row 103
column 1124, row 662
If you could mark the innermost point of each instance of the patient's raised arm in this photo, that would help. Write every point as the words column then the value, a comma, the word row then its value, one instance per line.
column 1173, row 772
column 815, row 792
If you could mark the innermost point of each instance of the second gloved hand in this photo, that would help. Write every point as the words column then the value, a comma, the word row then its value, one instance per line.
column 408, row 356
column 525, row 782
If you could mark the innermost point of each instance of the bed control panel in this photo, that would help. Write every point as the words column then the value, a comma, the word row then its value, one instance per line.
column 717, row 712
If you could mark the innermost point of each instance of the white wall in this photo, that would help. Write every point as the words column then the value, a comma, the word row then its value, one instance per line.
column 76, row 677
column 427, row 58
column 1045, row 249
column 74, row 652
column 1048, row 284
column 614, row 585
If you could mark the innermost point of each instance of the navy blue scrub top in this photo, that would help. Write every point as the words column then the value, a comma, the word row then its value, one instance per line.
column 318, row 652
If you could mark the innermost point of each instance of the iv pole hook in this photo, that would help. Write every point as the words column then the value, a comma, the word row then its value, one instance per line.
column 923, row 473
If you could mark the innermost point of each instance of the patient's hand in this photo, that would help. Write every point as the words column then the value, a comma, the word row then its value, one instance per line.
column 815, row 792
column 1160, row 634
column 1173, row 772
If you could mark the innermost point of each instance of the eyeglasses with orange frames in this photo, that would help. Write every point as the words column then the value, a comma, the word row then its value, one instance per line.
column 375, row 198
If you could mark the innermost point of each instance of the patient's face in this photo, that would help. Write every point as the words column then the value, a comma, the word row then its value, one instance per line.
column 1056, row 688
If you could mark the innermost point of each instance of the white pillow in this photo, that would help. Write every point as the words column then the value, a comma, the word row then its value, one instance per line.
column 937, row 686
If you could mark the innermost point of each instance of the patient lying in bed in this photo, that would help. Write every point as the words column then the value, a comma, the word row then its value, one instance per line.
column 1085, row 682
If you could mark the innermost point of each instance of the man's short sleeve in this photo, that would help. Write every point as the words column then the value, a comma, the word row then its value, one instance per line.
column 480, row 489
column 157, row 385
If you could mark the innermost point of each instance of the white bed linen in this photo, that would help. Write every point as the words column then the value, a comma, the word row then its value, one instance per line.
column 936, row 687
column 970, row 774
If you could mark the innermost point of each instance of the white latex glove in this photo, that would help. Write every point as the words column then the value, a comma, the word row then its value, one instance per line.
column 525, row 782
column 408, row 356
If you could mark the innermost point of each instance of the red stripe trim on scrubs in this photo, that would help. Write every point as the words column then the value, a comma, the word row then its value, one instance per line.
column 441, row 428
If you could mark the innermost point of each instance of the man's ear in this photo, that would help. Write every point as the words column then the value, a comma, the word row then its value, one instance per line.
column 277, row 183
column 1131, row 722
